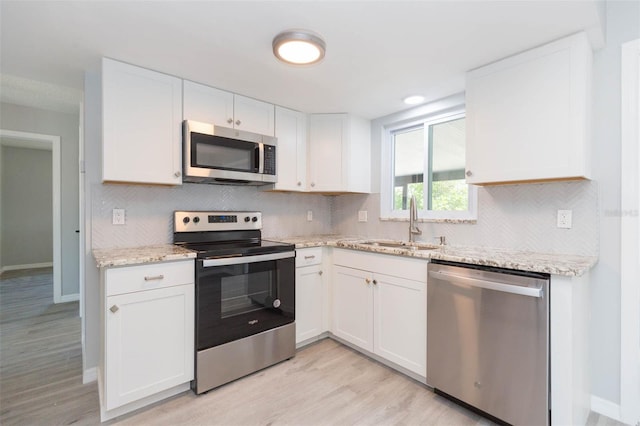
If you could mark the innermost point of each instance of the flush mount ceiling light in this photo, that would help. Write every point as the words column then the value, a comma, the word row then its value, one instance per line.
column 298, row 47
column 413, row 100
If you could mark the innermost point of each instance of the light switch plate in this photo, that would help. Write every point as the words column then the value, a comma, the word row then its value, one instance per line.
column 118, row 217
column 362, row 216
column 564, row 219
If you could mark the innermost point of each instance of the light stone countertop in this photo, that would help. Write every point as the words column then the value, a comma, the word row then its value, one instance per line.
column 550, row 263
column 138, row 255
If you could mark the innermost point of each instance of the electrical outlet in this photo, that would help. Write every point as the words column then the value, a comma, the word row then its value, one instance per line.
column 118, row 217
column 362, row 216
column 309, row 215
column 564, row 219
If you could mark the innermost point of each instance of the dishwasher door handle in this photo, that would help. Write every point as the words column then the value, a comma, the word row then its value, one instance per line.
column 489, row 285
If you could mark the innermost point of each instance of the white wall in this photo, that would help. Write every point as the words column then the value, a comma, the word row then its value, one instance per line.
column 623, row 24
column 26, row 222
column 33, row 120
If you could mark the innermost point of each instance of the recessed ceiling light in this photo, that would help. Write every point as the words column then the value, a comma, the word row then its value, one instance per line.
column 413, row 100
column 298, row 47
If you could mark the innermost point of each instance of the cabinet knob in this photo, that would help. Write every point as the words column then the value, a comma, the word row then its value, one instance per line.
column 238, row 122
column 177, row 174
column 468, row 173
column 230, row 120
column 299, row 183
column 313, row 184
column 114, row 308
column 319, row 272
column 375, row 282
column 367, row 280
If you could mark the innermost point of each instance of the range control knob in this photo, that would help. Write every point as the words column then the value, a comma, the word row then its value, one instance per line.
column 196, row 219
column 186, row 220
column 254, row 219
column 247, row 218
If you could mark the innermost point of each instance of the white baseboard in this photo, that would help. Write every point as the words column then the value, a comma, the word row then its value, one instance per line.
column 605, row 407
column 26, row 266
column 69, row 298
column 89, row 375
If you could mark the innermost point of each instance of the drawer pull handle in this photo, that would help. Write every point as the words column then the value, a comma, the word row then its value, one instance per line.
column 154, row 278
column 114, row 309
column 309, row 257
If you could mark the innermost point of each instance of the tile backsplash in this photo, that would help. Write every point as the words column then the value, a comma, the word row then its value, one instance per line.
column 149, row 211
column 521, row 217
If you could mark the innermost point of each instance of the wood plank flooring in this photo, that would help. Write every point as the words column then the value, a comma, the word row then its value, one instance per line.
column 325, row 384
column 40, row 355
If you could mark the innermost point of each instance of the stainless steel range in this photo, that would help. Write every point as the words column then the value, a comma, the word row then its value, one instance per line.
column 245, row 295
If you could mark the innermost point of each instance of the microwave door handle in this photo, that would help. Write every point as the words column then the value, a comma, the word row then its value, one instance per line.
column 260, row 154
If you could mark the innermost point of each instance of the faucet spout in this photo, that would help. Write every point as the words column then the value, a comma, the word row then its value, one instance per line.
column 413, row 217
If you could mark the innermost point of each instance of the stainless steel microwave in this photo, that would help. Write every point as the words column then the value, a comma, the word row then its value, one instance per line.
column 214, row 154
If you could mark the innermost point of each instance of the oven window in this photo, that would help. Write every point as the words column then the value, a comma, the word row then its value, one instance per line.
column 246, row 293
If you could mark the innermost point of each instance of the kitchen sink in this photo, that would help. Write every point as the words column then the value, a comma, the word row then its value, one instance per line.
column 400, row 245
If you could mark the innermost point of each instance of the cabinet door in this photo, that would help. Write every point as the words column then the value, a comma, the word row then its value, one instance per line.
column 142, row 122
column 291, row 131
column 309, row 302
column 207, row 104
column 400, row 314
column 527, row 116
column 326, row 138
column 253, row 115
column 353, row 306
column 149, row 343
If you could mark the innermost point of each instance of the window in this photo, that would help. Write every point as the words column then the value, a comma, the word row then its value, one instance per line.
column 426, row 159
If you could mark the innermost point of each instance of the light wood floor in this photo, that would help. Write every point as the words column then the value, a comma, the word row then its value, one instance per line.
column 325, row 384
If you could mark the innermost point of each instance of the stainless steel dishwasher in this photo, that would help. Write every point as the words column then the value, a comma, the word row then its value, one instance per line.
column 488, row 340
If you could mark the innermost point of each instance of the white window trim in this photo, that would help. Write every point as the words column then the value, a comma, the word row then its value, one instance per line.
column 387, row 155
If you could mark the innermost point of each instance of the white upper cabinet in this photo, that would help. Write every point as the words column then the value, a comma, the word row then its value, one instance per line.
column 221, row 108
column 291, row 151
column 339, row 153
column 142, row 122
column 528, row 116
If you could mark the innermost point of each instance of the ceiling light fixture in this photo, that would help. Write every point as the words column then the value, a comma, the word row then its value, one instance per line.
column 413, row 100
column 298, row 47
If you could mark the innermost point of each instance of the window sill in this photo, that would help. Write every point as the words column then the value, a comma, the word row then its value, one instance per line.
column 452, row 221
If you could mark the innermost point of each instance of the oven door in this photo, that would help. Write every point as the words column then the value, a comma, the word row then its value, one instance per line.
column 238, row 297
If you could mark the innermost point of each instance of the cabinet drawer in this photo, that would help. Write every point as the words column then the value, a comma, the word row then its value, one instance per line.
column 397, row 266
column 308, row 256
column 130, row 279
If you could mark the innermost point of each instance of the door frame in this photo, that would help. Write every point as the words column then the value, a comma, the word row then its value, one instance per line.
column 37, row 140
column 630, row 235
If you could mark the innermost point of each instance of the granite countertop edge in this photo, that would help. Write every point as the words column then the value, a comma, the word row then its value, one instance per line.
column 549, row 263
column 124, row 256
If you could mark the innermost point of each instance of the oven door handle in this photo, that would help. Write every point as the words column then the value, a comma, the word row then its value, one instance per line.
column 247, row 259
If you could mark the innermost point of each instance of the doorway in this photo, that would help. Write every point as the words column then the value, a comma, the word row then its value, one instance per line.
column 50, row 143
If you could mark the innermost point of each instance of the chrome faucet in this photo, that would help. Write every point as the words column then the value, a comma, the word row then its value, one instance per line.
column 413, row 216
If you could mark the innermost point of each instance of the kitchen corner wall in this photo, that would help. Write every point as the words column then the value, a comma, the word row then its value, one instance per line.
column 519, row 217
column 149, row 211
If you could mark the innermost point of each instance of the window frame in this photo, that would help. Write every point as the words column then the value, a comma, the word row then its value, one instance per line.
column 387, row 170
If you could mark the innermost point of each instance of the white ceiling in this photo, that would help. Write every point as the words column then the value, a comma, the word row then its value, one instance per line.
column 377, row 51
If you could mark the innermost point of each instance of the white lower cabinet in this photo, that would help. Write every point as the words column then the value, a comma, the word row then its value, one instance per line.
column 311, row 295
column 383, row 313
column 148, row 329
